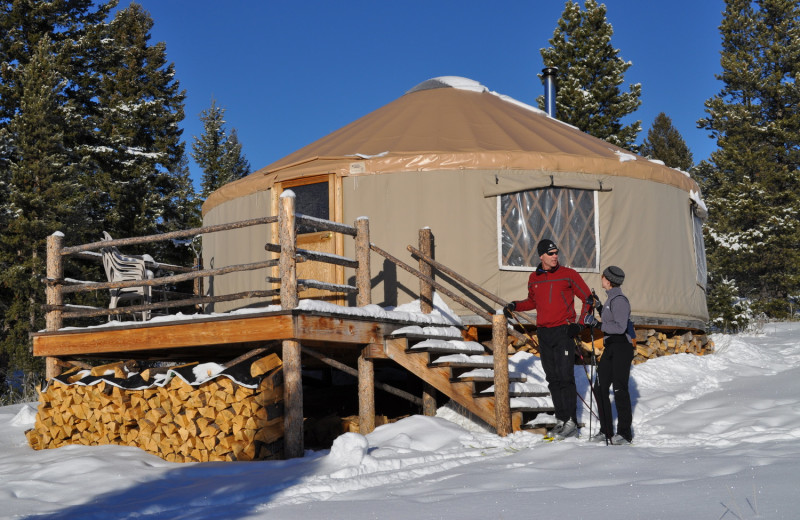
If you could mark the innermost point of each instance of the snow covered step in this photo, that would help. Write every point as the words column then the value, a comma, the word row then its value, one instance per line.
column 464, row 360
column 532, row 404
column 450, row 346
column 486, row 375
column 542, row 420
column 413, row 332
column 522, row 390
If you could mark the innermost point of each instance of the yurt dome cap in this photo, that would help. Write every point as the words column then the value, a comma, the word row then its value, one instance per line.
column 450, row 82
column 455, row 123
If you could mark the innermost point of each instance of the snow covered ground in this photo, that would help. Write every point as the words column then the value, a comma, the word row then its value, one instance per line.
column 716, row 437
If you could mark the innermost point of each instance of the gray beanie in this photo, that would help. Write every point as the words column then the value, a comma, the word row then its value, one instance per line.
column 614, row 274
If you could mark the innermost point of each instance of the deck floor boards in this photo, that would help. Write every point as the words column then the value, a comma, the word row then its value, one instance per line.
column 213, row 336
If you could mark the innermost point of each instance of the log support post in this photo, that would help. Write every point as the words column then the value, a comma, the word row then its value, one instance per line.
column 366, row 393
column 366, row 367
column 502, row 401
column 426, row 306
column 292, row 400
column 54, row 295
column 292, row 366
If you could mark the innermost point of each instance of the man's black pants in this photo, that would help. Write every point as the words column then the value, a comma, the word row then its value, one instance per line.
column 557, row 351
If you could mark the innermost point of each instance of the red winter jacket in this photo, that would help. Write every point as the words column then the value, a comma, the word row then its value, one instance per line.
column 552, row 294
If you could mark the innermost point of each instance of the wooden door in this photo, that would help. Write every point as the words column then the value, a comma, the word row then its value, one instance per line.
column 319, row 197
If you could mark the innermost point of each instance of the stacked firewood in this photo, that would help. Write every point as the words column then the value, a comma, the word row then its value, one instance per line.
column 651, row 344
column 350, row 423
column 656, row 344
column 213, row 420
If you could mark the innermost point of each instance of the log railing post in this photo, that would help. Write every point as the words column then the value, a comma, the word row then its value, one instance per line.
column 426, row 306
column 54, row 294
column 363, row 273
column 292, row 366
column 425, row 288
column 502, row 400
column 288, row 242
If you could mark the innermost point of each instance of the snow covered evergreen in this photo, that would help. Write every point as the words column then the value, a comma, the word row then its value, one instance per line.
column 752, row 181
column 665, row 143
column 590, row 72
column 89, row 141
column 218, row 153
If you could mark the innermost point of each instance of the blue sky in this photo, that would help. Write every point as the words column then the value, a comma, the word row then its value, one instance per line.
column 290, row 72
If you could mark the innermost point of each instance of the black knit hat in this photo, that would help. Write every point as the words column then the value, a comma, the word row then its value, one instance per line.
column 545, row 246
column 614, row 274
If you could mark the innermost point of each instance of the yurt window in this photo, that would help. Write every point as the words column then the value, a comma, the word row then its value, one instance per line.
column 699, row 250
column 566, row 215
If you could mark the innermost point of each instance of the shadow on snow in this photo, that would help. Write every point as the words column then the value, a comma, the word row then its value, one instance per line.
column 210, row 490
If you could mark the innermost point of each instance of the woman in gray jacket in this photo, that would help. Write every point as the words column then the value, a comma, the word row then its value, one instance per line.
column 615, row 365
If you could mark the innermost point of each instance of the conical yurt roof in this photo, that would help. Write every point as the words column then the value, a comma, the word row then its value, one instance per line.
column 453, row 123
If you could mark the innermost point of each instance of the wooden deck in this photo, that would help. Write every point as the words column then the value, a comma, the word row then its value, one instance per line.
column 218, row 338
column 342, row 340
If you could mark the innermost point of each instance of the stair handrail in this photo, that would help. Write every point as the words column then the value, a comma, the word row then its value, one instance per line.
column 441, row 288
column 462, row 279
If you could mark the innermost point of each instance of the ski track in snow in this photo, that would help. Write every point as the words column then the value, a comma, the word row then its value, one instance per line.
column 396, row 463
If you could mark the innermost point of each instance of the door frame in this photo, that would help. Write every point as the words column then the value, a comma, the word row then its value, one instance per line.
column 335, row 213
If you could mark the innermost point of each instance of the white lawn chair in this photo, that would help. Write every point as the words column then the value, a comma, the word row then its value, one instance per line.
column 121, row 268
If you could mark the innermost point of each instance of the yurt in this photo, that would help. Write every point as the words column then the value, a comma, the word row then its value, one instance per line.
column 490, row 176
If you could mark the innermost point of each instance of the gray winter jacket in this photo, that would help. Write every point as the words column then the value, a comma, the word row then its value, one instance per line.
column 616, row 313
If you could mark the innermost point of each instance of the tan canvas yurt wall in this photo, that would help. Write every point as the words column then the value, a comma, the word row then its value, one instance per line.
column 440, row 157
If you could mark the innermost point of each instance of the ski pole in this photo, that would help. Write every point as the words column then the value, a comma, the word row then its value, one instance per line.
column 599, row 401
column 591, row 389
column 588, row 408
column 594, row 364
column 591, row 411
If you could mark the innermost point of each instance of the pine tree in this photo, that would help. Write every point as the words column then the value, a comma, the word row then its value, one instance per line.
column 46, row 60
column 72, row 26
column 666, row 144
column 43, row 197
column 235, row 161
column 216, row 152
column 589, row 76
column 68, row 24
column 752, row 183
column 140, row 158
column 89, row 140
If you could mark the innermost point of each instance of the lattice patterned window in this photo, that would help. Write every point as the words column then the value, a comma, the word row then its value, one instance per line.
column 567, row 216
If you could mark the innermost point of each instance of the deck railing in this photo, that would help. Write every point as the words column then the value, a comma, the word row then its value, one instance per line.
column 57, row 286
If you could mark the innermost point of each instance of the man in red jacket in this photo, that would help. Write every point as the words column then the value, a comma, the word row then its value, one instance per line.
column 552, row 290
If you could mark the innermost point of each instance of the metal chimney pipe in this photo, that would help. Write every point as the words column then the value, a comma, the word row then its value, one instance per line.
column 550, row 88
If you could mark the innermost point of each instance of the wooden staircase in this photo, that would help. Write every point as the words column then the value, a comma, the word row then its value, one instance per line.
column 463, row 371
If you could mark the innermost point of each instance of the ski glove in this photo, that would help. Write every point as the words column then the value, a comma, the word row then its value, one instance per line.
column 594, row 302
column 508, row 309
column 573, row 330
column 590, row 321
